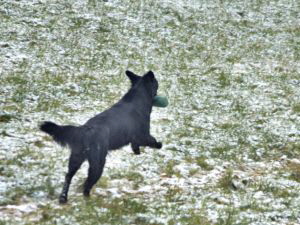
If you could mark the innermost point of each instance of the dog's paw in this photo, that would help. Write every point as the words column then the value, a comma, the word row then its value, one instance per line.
column 86, row 194
column 137, row 152
column 158, row 145
column 63, row 199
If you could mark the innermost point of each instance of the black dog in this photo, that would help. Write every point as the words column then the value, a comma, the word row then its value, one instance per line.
column 127, row 121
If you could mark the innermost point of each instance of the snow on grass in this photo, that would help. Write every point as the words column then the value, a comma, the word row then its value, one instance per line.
column 230, row 70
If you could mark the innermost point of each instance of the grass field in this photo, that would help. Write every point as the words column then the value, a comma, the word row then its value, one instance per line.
column 231, row 133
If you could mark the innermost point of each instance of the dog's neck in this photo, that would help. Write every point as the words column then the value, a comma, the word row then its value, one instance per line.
column 141, row 93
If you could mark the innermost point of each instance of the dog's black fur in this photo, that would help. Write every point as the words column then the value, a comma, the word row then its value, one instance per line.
column 128, row 121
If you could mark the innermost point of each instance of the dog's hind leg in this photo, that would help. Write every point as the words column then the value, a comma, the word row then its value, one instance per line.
column 96, row 161
column 75, row 162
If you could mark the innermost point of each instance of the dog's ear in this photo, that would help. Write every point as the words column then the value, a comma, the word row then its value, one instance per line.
column 149, row 75
column 133, row 77
column 151, row 83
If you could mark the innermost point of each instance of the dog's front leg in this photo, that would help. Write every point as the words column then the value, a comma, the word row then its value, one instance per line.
column 151, row 142
column 135, row 148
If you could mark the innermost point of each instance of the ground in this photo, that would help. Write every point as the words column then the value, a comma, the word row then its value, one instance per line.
column 231, row 132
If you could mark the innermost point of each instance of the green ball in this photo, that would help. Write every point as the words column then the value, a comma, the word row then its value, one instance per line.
column 160, row 101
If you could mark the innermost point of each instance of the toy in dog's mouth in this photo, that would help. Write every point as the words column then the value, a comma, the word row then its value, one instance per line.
column 160, row 101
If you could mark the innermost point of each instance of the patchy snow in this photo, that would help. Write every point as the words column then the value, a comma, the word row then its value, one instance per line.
column 229, row 69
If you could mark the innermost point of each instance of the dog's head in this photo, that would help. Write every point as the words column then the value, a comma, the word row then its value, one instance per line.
column 149, row 79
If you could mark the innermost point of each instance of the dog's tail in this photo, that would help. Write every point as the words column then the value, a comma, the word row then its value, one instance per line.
column 63, row 135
